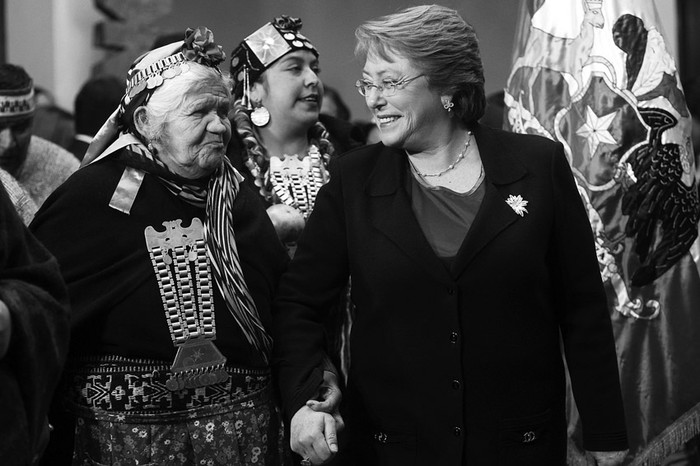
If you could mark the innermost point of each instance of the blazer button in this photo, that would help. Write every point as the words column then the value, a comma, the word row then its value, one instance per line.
column 453, row 337
column 456, row 385
column 529, row 436
column 457, row 431
column 451, row 291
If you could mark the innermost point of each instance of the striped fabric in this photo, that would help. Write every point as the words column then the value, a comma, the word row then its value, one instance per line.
column 228, row 275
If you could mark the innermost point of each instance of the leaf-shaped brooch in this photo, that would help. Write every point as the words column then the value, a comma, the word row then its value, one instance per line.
column 517, row 203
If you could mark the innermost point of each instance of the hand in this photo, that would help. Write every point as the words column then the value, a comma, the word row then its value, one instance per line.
column 609, row 458
column 5, row 329
column 313, row 435
column 329, row 398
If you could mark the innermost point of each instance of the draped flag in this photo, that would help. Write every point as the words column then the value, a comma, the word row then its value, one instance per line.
column 596, row 75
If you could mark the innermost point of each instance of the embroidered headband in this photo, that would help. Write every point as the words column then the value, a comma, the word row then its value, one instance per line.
column 17, row 104
column 262, row 48
column 152, row 69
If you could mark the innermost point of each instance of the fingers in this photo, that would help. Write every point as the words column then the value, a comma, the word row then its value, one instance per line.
column 330, row 434
column 313, row 435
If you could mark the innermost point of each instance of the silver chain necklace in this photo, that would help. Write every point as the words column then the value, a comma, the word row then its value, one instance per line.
column 450, row 167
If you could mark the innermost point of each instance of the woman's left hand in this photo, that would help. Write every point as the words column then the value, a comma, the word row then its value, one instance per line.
column 609, row 458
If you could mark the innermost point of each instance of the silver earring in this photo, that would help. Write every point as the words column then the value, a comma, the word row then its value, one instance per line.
column 447, row 105
column 151, row 148
column 260, row 116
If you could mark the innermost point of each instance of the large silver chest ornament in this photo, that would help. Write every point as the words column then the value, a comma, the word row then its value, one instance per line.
column 181, row 265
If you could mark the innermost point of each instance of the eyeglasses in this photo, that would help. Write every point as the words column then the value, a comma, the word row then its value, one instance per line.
column 387, row 88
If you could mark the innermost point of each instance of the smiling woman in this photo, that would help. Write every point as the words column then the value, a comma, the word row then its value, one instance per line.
column 472, row 265
column 170, row 261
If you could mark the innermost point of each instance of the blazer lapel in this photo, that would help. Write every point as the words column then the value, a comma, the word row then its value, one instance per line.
column 391, row 213
column 502, row 169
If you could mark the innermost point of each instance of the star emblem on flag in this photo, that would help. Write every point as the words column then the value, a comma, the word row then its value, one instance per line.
column 596, row 130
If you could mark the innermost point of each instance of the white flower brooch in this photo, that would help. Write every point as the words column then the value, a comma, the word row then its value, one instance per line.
column 517, row 203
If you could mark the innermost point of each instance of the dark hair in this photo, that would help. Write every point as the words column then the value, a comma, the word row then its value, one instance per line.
column 438, row 42
column 343, row 110
column 95, row 101
column 14, row 77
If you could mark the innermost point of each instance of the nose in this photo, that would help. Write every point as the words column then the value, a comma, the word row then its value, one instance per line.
column 7, row 139
column 312, row 78
column 218, row 124
column 374, row 98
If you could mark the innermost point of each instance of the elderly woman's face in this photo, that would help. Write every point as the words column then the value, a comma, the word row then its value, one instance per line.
column 196, row 134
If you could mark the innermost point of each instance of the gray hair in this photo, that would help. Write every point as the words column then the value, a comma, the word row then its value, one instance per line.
column 438, row 42
column 172, row 93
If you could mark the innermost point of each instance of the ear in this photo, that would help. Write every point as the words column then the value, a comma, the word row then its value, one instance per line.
column 142, row 122
column 257, row 92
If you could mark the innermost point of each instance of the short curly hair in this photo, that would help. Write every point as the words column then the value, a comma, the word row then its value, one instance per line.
column 438, row 42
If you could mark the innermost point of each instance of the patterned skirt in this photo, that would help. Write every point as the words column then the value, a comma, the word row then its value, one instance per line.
column 127, row 416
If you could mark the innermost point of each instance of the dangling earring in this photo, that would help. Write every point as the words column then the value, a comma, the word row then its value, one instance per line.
column 152, row 149
column 260, row 116
column 447, row 105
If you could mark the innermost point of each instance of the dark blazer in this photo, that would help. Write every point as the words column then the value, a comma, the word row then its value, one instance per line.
column 460, row 366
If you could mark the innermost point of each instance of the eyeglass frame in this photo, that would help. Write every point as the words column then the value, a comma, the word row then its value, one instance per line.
column 393, row 86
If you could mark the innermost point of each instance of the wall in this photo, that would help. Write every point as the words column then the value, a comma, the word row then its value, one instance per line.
column 52, row 40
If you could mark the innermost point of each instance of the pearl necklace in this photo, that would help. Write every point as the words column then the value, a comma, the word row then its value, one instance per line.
column 450, row 167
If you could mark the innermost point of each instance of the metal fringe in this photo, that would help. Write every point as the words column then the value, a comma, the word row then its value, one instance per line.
column 668, row 442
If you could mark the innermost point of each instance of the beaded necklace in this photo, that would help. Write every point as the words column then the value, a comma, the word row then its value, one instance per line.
column 296, row 181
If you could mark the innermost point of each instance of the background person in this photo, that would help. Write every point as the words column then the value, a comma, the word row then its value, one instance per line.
column 33, row 337
column 94, row 103
column 472, row 260
column 171, row 263
column 38, row 165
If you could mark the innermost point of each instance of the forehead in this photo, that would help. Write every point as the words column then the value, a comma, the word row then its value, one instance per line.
column 391, row 64
column 296, row 56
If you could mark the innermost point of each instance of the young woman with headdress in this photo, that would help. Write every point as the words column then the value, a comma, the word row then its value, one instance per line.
column 282, row 144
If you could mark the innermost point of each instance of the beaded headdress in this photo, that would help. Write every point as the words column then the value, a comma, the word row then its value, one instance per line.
column 146, row 74
column 262, row 48
column 17, row 104
column 152, row 69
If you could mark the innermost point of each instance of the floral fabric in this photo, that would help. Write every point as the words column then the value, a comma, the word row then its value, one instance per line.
column 248, row 433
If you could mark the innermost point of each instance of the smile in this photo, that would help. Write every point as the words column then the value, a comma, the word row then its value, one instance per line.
column 385, row 120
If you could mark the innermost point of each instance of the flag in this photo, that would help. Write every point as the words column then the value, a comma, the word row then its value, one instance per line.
column 596, row 75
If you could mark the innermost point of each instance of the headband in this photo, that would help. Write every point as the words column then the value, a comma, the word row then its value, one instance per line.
column 263, row 48
column 17, row 104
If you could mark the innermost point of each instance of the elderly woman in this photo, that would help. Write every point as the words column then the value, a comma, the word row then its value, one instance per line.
column 171, row 263
column 473, row 274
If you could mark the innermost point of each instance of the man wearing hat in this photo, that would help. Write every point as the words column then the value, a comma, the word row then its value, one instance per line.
column 39, row 166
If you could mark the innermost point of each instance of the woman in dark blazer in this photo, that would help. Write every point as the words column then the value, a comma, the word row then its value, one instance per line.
column 473, row 271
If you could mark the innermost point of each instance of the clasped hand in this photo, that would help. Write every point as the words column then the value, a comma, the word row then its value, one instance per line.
column 315, row 426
